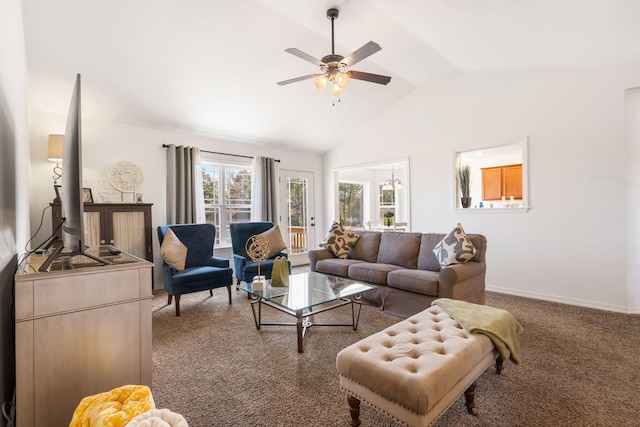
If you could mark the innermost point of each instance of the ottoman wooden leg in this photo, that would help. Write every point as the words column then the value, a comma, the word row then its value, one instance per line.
column 354, row 409
column 469, row 395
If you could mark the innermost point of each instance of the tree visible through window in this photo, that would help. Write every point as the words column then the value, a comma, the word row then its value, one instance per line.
column 227, row 197
column 351, row 204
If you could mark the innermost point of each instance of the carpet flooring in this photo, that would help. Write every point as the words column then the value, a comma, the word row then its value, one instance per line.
column 580, row 367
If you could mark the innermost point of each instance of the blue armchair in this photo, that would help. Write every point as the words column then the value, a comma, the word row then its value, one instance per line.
column 245, row 269
column 203, row 271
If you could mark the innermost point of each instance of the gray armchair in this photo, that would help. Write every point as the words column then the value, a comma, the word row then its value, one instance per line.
column 203, row 271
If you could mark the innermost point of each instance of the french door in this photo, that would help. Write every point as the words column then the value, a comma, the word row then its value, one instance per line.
column 297, row 217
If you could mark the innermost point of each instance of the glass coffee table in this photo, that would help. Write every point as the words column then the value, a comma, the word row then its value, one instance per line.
column 308, row 294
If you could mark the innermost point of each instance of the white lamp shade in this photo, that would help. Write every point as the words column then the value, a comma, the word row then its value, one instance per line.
column 321, row 81
column 54, row 150
column 343, row 79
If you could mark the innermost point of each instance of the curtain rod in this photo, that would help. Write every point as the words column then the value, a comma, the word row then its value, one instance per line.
column 224, row 154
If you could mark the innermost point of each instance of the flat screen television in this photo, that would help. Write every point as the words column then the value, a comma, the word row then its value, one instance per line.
column 71, row 200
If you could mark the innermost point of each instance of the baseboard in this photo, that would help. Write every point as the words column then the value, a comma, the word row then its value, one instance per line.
column 562, row 300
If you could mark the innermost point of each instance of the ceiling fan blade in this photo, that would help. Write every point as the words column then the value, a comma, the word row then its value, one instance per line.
column 362, row 53
column 297, row 79
column 305, row 56
column 373, row 78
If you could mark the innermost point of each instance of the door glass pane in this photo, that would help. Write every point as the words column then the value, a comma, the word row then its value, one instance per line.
column 297, row 206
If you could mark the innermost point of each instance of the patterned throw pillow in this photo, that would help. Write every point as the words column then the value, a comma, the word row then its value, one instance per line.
column 173, row 251
column 455, row 248
column 339, row 241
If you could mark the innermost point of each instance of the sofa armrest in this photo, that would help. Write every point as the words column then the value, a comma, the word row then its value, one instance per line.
column 316, row 255
column 460, row 280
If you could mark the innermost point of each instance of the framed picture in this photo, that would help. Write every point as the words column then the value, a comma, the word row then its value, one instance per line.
column 87, row 196
column 56, row 188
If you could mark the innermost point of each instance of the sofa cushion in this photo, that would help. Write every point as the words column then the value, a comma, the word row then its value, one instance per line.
column 366, row 248
column 419, row 281
column 276, row 242
column 454, row 248
column 427, row 260
column 335, row 266
column 371, row 272
column 339, row 241
column 399, row 249
column 480, row 243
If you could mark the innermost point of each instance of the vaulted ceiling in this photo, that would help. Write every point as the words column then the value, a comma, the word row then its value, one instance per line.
column 211, row 66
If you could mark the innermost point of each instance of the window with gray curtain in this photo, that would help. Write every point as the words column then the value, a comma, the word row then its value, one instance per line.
column 264, row 203
column 184, row 185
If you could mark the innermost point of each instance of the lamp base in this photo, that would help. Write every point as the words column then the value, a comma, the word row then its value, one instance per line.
column 259, row 283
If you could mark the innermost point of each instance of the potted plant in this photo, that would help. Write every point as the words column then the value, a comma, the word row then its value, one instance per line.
column 464, row 182
column 388, row 218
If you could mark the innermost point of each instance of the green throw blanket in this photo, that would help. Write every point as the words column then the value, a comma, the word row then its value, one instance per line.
column 499, row 325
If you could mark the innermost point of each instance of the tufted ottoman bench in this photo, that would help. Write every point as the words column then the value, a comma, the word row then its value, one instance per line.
column 415, row 370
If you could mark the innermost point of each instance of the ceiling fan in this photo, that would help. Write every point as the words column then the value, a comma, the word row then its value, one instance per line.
column 334, row 68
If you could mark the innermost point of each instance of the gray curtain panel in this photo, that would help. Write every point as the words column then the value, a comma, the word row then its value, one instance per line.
column 264, row 194
column 184, row 185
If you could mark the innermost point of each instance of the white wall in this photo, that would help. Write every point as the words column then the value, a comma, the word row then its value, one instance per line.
column 633, row 196
column 571, row 246
column 14, row 177
column 107, row 143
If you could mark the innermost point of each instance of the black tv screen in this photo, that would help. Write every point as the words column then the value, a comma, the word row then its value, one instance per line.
column 71, row 200
column 71, row 205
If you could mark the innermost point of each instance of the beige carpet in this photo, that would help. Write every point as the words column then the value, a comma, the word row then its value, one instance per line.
column 580, row 367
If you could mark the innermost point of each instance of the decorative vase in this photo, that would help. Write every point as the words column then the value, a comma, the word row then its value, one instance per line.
column 466, row 201
column 388, row 222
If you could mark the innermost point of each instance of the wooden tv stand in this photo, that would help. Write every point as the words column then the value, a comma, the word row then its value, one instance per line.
column 80, row 330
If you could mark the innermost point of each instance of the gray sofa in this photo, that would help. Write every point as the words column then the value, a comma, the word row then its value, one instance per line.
column 406, row 270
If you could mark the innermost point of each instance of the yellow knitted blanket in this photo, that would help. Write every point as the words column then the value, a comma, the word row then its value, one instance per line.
column 499, row 325
column 114, row 408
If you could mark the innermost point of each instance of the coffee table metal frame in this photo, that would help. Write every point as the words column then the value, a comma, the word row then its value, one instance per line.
column 345, row 292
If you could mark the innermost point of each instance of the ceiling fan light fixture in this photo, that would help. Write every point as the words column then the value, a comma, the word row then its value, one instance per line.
column 334, row 68
column 321, row 81
column 342, row 79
